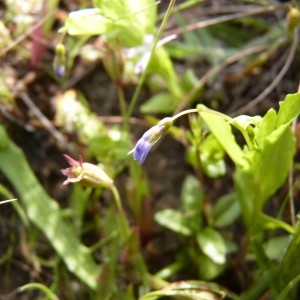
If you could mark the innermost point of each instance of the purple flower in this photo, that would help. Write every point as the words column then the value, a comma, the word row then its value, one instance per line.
column 60, row 71
column 149, row 138
column 141, row 150
column 60, row 61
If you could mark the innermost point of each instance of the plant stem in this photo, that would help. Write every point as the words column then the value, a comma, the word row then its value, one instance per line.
column 124, row 226
column 200, row 110
column 143, row 76
column 121, row 98
column 185, row 112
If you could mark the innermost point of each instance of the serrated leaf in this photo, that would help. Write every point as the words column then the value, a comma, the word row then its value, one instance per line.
column 212, row 244
column 173, row 220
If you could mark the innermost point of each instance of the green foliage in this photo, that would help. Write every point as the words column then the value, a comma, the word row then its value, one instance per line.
column 289, row 270
column 188, row 221
column 48, row 293
column 123, row 21
column 212, row 244
column 263, row 164
column 226, row 210
column 211, row 238
column 45, row 213
column 206, row 154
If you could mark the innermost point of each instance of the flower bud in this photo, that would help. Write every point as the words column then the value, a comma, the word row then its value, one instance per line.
column 149, row 138
column 86, row 174
column 60, row 61
column 293, row 19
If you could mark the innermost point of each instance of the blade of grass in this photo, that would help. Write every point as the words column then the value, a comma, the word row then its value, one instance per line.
column 44, row 212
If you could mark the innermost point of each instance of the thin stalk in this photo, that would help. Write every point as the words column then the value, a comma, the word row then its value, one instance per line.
column 185, row 112
column 199, row 110
column 182, row 6
column 122, row 101
column 6, row 201
column 124, row 226
column 291, row 188
column 143, row 76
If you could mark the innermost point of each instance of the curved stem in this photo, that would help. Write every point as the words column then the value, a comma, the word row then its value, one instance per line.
column 185, row 112
column 124, row 226
column 199, row 110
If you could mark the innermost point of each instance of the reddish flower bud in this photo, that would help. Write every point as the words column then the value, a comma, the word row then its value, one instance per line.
column 86, row 174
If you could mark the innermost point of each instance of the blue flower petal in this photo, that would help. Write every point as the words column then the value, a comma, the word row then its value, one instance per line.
column 141, row 150
column 60, row 71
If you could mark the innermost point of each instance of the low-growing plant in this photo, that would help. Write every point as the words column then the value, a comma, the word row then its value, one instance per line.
column 96, row 238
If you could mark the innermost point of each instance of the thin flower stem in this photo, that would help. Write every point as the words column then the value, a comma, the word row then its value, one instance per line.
column 121, row 98
column 185, row 112
column 117, row 198
column 143, row 76
column 6, row 201
column 199, row 110
column 124, row 226
column 291, row 185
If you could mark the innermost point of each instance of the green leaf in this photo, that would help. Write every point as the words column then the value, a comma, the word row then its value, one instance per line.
column 45, row 213
column 126, row 22
column 208, row 269
column 289, row 109
column 161, row 64
column 212, row 245
column 269, row 222
column 266, row 126
column 211, row 156
column 159, row 103
column 226, row 210
column 88, row 21
column 173, row 220
column 139, row 15
column 269, row 162
column 220, row 128
column 276, row 247
column 192, row 196
column 289, row 269
column 247, row 192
